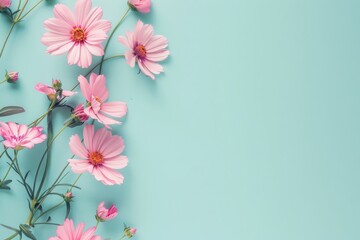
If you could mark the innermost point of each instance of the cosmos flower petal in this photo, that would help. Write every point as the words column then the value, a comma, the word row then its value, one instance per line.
column 115, row 109
column 61, row 11
column 97, row 50
column 67, row 231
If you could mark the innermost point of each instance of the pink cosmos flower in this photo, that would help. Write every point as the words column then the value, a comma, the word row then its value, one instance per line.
column 142, row 6
column 80, row 114
column 20, row 136
column 50, row 91
column 68, row 231
column 79, row 34
column 146, row 49
column 96, row 94
column 100, row 155
column 103, row 214
column 5, row 4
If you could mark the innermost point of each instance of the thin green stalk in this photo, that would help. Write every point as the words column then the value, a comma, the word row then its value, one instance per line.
column 3, row 81
column 45, row 212
column 32, row 8
column 92, row 69
column 111, row 35
column 12, row 236
column 21, row 11
column 8, row 171
column 77, row 179
column 7, row 38
column 47, row 152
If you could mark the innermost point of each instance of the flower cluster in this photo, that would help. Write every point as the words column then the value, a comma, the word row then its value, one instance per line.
column 81, row 33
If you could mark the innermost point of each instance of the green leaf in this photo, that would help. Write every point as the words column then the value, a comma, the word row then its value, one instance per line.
column 4, row 184
column 11, row 110
column 10, row 228
column 26, row 230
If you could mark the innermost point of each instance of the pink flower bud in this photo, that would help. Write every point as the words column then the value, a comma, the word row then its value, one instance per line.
column 56, row 84
column 68, row 196
column 11, row 77
column 129, row 232
column 142, row 6
column 103, row 214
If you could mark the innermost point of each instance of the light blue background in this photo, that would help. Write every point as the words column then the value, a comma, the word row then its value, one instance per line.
column 252, row 133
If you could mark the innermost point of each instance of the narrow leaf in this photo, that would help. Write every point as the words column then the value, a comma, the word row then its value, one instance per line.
column 11, row 110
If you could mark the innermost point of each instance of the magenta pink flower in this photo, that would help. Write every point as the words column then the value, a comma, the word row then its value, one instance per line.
column 96, row 94
column 5, row 4
column 103, row 214
column 50, row 91
column 100, row 155
column 20, row 136
column 80, row 34
column 68, row 231
column 146, row 49
column 142, row 6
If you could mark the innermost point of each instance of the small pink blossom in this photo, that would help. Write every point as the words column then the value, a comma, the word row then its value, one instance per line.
column 80, row 34
column 11, row 77
column 99, row 155
column 5, row 4
column 96, row 95
column 50, row 91
column 146, row 49
column 103, row 214
column 20, row 136
column 68, row 231
column 142, row 6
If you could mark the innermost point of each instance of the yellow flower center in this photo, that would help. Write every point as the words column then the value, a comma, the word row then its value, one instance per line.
column 96, row 158
column 78, row 35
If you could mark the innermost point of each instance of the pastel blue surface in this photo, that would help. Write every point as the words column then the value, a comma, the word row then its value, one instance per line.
column 252, row 133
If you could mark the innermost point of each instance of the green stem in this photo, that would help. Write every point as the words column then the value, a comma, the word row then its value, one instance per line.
column 111, row 35
column 49, row 210
column 3, row 81
column 8, row 171
column 47, row 152
column 77, row 179
column 97, row 224
column 12, row 236
column 7, row 38
column 32, row 8
column 21, row 11
column 122, row 237
column 106, row 59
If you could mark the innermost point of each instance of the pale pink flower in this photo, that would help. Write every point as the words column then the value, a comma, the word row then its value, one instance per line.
column 99, row 155
column 96, row 94
column 146, row 49
column 68, row 231
column 50, row 91
column 80, row 34
column 20, row 136
column 5, row 4
column 142, row 6
column 80, row 114
column 103, row 214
